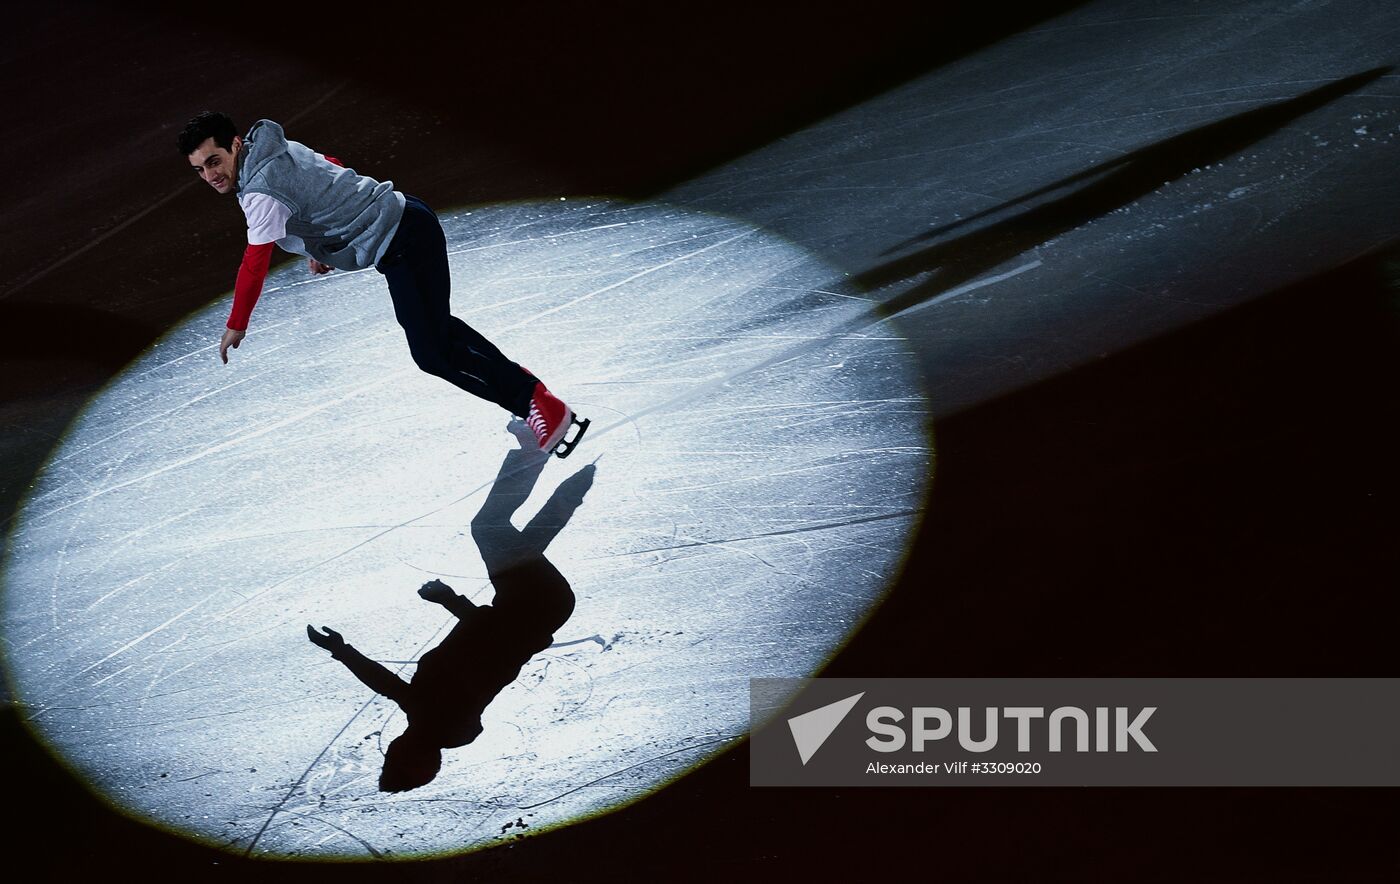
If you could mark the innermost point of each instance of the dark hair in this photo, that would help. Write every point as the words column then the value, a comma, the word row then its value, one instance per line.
column 210, row 124
column 412, row 760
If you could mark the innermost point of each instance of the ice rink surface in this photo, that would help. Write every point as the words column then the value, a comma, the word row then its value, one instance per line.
column 761, row 349
column 753, row 497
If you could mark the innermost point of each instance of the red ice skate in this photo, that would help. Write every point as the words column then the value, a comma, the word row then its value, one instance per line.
column 550, row 419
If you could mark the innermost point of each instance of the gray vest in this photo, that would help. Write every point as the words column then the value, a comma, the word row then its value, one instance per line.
column 338, row 217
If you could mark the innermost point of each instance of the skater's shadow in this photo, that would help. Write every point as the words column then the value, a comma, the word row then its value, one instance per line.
column 454, row 682
column 1098, row 190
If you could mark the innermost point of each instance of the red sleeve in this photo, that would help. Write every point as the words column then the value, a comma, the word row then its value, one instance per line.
column 251, row 274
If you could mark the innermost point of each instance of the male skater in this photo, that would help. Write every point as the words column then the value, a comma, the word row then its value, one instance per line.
column 312, row 205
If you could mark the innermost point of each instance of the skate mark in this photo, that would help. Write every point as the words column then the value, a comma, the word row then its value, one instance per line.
column 155, row 417
column 478, row 310
column 340, row 431
column 159, row 722
column 192, row 353
column 904, row 514
column 819, row 464
column 422, row 570
column 588, row 680
column 533, row 239
column 638, row 275
column 308, row 816
column 345, row 552
column 807, row 291
column 483, row 234
column 719, row 381
column 298, row 283
column 136, row 641
column 223, row 446
column 113, row 675
column 594, row 782
column 967, row 287
column 102, row 565
column 760, row 345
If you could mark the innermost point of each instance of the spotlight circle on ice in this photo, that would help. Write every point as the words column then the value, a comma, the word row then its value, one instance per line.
column 759, row 473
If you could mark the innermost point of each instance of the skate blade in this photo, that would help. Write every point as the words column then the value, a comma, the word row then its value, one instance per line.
column 566, row 446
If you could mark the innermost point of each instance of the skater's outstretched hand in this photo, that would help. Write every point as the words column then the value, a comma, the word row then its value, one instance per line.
column 317, row 267
column 232, row 337
column 436, row 591
column 331, row 640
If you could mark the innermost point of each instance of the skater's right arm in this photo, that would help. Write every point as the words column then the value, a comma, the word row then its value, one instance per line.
column 376, row 676
column 267, row 223
column 251, row 275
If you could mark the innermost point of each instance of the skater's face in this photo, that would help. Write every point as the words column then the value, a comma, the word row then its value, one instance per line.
column 218, row 167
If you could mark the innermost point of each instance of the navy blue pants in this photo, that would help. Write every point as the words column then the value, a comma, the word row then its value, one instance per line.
column 415, row 266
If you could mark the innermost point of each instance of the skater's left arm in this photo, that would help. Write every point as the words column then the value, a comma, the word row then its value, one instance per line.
column 437, row 591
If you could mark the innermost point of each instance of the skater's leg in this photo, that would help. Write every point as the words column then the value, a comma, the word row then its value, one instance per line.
column 500, row 542
column 558, row 510
column 420, row 284
column 511, row 385
column 417, row 279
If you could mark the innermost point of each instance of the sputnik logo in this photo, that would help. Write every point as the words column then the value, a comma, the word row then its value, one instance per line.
column 810, row 729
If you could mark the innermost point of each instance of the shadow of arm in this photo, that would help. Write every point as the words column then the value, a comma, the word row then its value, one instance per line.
column 375, row 675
